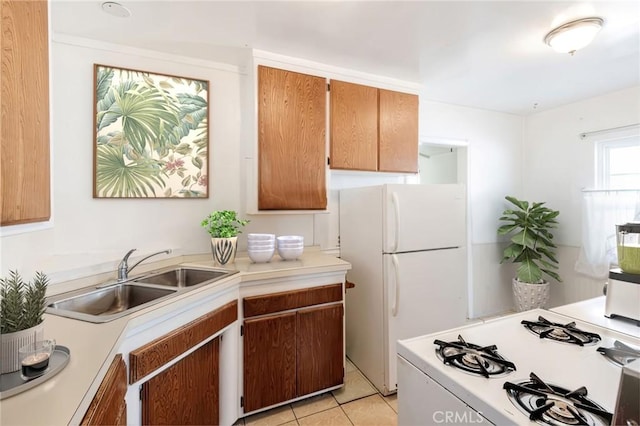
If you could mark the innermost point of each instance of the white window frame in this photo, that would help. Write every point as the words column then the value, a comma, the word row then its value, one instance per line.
column 603, row 154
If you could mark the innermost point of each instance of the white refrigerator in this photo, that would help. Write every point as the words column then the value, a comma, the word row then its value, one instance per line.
column 407, row 248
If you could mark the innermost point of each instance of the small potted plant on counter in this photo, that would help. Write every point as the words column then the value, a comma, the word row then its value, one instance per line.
column 21, row 323
column 223, row 226
column 532, row 248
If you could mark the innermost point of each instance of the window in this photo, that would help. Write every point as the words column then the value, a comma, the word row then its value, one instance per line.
column 615, row 199
column 618, row 163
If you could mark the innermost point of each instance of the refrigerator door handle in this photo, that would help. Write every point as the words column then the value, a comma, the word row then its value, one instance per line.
column 396, row 207
column 396, row 269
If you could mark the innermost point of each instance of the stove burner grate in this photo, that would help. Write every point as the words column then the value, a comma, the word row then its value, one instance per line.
column 567, row 333
column 479, row 360
column 549, row 404
column 620, row 354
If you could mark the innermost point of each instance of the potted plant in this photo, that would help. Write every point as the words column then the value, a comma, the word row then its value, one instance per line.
column 223, row 226
column 532, row 247
column 22, row 306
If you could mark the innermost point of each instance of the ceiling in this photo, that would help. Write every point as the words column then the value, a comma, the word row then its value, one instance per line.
column 481, row 54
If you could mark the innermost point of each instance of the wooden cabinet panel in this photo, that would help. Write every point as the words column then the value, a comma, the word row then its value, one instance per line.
column 159, row 352
column 291, row 140
column 187, row 393
column 354, row 126
column 24, row 125
column 276, row 302
column 109, row 407
column 320, row 350
column 269, row 360
column 398, row 138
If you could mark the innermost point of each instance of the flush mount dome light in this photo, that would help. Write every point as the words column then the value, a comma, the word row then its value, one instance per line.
column 116, row 9
column 574, row 35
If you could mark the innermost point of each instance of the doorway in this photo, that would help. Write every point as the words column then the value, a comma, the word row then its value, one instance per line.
column 442, row 162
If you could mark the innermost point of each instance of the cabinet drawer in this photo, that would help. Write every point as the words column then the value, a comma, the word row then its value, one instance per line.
column 157, row 353
column 276, row 302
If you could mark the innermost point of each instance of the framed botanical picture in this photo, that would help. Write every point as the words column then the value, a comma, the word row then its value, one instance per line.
column 151, row 135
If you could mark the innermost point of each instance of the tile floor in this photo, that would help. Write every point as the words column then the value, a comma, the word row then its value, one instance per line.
column 357, row 403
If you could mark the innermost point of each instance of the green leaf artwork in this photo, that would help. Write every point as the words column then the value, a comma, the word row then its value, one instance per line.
column 151, row 135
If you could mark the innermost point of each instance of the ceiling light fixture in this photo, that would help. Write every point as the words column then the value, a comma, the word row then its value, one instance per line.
column 116, row 9
column 574, row 35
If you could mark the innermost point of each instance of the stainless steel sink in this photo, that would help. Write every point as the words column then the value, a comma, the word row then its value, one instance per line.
column 113, row 300
column 108, row 303
column 183, row 277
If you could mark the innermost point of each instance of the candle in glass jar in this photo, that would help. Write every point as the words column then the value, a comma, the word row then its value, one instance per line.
column 35, row 364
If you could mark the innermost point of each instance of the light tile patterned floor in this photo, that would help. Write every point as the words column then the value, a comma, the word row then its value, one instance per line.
column 357, row 403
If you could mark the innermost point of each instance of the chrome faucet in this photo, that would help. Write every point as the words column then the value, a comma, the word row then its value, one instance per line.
column 124, row 269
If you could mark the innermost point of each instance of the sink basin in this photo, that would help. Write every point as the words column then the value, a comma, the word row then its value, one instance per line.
column 116, row 299
column 183, row 277
column 107, row 303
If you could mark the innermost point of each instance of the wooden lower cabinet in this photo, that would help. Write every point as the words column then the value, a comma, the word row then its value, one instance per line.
column 291, row 354
column 109, row 407
column 319, row 348
column 269, row 360
column 186, row 393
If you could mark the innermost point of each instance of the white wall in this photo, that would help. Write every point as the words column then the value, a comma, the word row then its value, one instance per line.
column 558, row 164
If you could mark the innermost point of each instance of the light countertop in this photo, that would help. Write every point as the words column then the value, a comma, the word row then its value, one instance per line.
column 65, row 397
column 592, row 310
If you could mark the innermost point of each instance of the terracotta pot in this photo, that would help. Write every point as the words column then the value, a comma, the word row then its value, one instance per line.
column 530, row 296
column 11, row 342
column 224, row 250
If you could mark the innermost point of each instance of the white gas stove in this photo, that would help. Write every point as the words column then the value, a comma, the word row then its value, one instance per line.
column 563, row 360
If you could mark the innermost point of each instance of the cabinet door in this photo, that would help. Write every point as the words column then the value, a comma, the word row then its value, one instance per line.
column 320, row 348
column 109, row 407
column 24, row 144
column 187, row 393
column 354, row 126
column 291, row 140
column 269, row 360
column 398, row 138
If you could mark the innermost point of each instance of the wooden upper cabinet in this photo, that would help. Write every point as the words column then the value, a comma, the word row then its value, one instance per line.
column 291, row 140
column 354, row 126
column 24, row 126
column 373, row 129
column 398, row 137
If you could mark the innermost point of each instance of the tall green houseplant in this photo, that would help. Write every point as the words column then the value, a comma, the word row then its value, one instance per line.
column 532, row 246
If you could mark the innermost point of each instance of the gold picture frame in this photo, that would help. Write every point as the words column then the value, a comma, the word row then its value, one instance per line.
column 151, row 135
